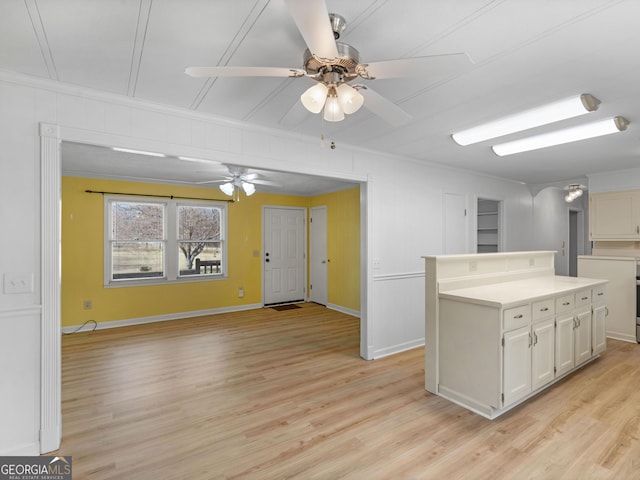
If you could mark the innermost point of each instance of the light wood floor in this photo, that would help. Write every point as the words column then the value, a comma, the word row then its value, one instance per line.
column 273, row 395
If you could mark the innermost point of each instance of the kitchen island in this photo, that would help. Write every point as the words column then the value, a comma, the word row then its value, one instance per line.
column 501, row 327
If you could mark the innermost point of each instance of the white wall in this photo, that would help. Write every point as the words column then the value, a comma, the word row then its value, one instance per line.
column 551, row 225
column 403, row 201
column 615, row 181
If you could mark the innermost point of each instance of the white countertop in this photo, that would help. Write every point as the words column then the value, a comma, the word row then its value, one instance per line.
column 508, row 294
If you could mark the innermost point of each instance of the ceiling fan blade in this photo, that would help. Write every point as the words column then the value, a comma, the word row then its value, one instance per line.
column 384, row 108
column 244, row 72
column 265, row 182
column 312, row 19
column 433, row 65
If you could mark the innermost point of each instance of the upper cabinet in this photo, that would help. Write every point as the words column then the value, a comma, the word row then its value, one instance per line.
column 614, row 215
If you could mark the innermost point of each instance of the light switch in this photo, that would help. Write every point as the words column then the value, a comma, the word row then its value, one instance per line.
column 18, row 283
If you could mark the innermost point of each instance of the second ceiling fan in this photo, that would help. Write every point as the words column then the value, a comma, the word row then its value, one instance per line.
column 334, row 65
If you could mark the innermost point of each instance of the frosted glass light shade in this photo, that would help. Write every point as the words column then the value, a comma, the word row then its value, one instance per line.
column 567, row 135
column 313, row 98
column 227, row 188
column 249, row 188
column 535, row 117
column 350, row 99
column 333, row 110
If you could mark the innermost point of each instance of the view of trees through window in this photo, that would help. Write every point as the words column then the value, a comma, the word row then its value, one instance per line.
column 139, row 239
column 137, row 235
column 199, row 239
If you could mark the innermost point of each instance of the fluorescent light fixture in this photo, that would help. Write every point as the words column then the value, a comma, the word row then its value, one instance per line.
column 553, row 112
column 567, row 135
column 199, row 160
column 139, row 152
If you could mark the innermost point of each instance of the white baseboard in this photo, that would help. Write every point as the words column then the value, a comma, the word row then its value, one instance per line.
column 161, row 318
column 621, row 336
column 402, row 347
column 348, row 311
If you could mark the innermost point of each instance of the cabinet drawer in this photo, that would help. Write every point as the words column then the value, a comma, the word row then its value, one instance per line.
column 543, row 309
column 516, row 317
column 583, row 297
column 598, row 293
column 565, row 303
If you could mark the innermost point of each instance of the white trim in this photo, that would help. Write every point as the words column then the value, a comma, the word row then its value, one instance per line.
column 347, row 311
column 51, row 239
column 622, row 337
column 160, row 318
column 397, row 276
column 401, row 347
column 11, row 313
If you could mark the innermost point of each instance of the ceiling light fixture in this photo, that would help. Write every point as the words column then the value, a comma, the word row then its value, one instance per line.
column 575, row 191
column 139, row 152
column 567, row 135
column 334, row 96
column 232, row 189
column 198, row 160
column 535, row 117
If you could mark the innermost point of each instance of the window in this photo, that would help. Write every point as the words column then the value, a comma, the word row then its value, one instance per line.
column 150, row 241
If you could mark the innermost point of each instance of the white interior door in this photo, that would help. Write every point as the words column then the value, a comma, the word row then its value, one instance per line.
column 318, row 261
column 454, row 224
column 284, row 254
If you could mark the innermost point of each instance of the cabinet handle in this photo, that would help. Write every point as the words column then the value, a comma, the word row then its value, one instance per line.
column 566, row 303
column 606, row 311
column 575, row 323
column 637, row 229
column 544, row 309
column 585, row 298
column 600, row 294
column 529, row 339
column 535, row 338
column 517, row 316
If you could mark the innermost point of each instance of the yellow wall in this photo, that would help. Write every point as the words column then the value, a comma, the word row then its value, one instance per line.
column 83, row 255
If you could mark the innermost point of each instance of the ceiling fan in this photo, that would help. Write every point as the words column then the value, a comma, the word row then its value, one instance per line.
column 239, row 179
column 333, row 65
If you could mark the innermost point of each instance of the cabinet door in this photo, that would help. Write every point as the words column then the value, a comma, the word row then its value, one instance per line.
column 614, row 216
column 564, row 344
column 517, row 364
column 543, row 353
column 598, row 337
column 583, row 337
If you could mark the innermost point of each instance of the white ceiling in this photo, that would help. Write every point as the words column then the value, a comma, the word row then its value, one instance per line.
column 525, row 53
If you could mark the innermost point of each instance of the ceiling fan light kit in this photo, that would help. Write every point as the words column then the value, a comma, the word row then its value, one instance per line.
column 535, row 117
column 566, row 135
column 333, row 65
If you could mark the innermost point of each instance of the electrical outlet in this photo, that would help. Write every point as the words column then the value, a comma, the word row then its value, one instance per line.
column 88, row 304
column 18, row 283
column 240, row 292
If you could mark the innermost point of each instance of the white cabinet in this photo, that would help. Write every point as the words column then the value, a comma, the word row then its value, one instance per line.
column 598, row 315
column 517, row 364
column 543, row 353
column 614, row 215
column 565, row 343
column 541, row 340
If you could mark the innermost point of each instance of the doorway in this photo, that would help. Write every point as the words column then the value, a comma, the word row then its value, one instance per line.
column 488, row 226
column 573, row 243
column 318, row 255
column 284, row 250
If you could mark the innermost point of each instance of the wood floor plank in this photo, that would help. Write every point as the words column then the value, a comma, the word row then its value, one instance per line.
column 264, row 394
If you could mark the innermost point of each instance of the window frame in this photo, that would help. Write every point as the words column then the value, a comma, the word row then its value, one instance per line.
column 171, row 253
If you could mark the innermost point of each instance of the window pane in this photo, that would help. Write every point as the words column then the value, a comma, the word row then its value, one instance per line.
column 198, row 223
column 137, row 260
column 137, row 221
column 199, row 258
